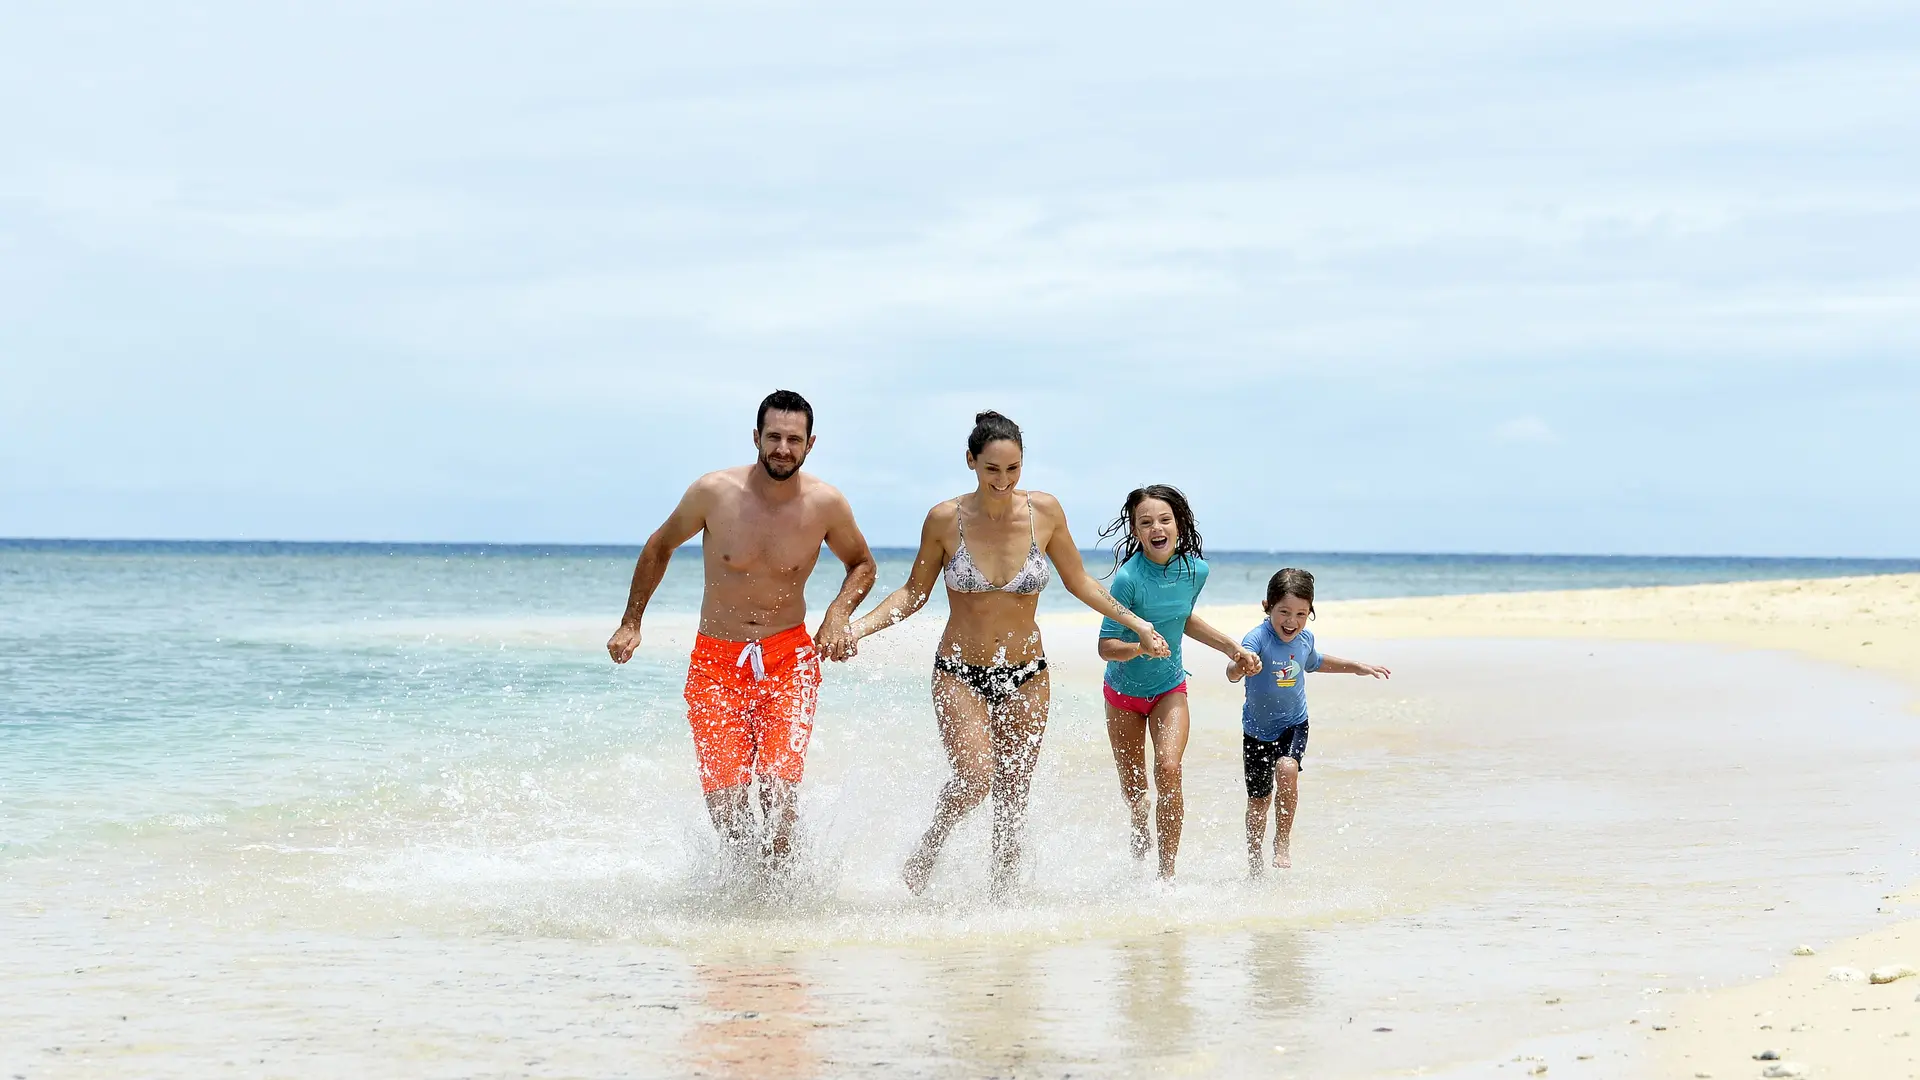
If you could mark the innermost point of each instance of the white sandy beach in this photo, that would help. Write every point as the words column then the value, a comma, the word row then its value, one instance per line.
column 1569, row 834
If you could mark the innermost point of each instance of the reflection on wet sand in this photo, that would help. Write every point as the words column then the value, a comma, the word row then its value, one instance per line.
column 1155, row 1011
column 1276, row 961
column 993, row 1011
column 761, row 1024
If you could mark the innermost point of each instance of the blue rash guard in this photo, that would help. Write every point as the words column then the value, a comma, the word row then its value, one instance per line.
column 1277, row 697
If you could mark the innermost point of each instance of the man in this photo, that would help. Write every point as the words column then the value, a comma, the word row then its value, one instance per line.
column 754, row 680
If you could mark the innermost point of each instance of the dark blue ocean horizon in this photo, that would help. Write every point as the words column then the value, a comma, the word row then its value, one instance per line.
column 1237, row 575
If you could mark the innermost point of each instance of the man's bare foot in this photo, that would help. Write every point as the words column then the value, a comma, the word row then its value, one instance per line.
column 918, row 870
column 1282, row 857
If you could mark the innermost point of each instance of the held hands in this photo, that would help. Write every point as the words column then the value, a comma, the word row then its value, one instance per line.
column 624, row 640
column 836, row 639
column 1152, row 644
column 1246, row 662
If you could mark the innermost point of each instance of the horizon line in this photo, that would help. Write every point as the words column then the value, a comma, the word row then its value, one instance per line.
column 20, row 542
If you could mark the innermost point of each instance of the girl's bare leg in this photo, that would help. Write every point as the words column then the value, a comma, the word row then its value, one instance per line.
column 1018, row 727
column 1286, row 784
column 964, row 720
column 1127, row 731
column 1169, row 724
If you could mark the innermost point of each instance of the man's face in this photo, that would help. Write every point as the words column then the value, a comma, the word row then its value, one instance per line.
column 783, row 443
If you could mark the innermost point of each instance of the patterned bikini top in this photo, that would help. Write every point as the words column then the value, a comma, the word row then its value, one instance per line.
column 963, row 576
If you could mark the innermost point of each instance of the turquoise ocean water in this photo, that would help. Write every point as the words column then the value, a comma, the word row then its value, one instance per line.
column 145, row 683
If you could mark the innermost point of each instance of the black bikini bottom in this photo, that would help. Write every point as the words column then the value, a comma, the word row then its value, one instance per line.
column 994, row 682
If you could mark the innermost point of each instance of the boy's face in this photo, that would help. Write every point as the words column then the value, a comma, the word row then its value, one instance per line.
column 1289, row 616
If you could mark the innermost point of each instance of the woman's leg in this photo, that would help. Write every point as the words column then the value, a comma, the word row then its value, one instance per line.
column 963, row 717
column 1127, row 731
column 1168, row 724
column 1286, row 783
column 1018, row 726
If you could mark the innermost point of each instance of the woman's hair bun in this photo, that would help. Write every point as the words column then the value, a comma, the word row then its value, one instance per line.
column 989, row 426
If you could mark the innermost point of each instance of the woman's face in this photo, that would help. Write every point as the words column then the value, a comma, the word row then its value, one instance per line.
column 997, row 465
column 1156, row 530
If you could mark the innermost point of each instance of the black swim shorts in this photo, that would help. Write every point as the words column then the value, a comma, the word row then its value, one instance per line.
column 1262, row 757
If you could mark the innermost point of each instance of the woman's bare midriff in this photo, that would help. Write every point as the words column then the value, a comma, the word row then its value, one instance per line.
column 991, row 628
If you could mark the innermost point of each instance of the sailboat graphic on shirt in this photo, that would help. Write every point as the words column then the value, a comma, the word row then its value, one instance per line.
column 1288, row 673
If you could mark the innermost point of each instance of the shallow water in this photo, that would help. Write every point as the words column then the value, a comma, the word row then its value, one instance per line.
column 429, row 837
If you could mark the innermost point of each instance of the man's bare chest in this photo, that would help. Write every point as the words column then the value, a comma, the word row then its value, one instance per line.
column 760, row 540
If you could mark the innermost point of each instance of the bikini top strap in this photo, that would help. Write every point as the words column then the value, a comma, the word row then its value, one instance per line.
column 1033, row 541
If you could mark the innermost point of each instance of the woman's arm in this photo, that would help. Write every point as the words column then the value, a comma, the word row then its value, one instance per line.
column 1073, row 575
column 1336, row 666
column 1244, row 660
column 1113, row 648
column 912, row 596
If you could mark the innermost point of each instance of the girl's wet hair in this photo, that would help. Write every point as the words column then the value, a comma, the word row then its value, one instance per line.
column 1128, row 544
column 1289, row 582
column 990, row 427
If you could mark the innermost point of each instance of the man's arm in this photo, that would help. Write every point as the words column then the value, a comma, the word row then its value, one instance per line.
column 682, row 525
column 836, row 639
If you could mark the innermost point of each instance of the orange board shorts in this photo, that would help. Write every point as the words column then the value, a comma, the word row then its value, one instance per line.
column 751, row 707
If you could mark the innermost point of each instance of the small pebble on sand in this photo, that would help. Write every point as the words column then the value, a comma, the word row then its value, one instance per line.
column 1891, row 973
column 1803, row 950
column 1846, row 974
column 1767, row 1055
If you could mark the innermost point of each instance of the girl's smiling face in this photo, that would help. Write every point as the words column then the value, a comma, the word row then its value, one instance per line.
column 1289, row 616
column 1156, row 530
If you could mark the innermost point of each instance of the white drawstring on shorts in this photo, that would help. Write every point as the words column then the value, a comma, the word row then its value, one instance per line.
column 753, row 654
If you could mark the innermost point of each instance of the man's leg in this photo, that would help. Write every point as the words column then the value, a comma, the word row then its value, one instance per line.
column 731, row 809
column 780, row 807
column 723, row 748
column 782, row 720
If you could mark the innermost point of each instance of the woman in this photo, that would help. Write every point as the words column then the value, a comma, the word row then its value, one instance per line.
column 990, row 686
column 1159, row 570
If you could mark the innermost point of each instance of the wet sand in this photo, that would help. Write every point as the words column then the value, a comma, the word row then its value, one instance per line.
column 1517, row 853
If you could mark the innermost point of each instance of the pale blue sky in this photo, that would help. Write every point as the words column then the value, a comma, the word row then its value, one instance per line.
column 1583, row 277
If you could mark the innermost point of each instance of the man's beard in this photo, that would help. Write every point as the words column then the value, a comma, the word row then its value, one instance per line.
column 776, row 472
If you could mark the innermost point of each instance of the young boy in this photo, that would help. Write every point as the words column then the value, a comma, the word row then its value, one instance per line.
column 1274, row 719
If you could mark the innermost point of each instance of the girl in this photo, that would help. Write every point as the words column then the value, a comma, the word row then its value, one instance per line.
column 1159, row 574
column 1274, row 719
column 990, row 682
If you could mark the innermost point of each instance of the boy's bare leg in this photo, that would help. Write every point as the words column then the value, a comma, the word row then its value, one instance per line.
column 1286, row 784
column 1256, row 833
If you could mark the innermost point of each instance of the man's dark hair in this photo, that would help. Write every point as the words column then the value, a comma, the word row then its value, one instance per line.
column 784, row 401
